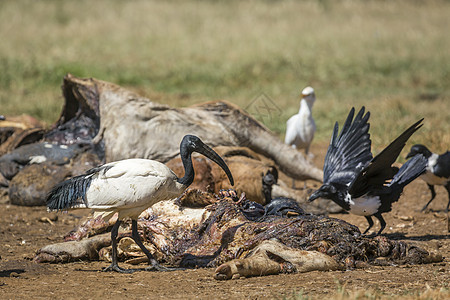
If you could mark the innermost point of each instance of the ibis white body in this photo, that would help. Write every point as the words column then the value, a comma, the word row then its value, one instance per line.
column 130, row 186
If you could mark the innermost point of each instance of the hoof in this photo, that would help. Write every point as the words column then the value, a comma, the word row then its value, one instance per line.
column 223, row 272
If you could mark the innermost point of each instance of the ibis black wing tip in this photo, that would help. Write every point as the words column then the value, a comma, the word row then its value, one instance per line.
column 69, row 193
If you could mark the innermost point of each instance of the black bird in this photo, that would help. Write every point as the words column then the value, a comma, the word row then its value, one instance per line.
column 362, row 184
column 438, row 170
column 129, row 187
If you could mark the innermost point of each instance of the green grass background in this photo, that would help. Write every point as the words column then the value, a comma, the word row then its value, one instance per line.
column 391, row 56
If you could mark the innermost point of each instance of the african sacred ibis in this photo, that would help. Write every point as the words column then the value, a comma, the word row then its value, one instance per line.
column 128, row 187
column 362, row 184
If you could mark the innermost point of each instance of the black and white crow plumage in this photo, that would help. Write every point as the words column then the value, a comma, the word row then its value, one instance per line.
column 438, row 170
column 362, row 184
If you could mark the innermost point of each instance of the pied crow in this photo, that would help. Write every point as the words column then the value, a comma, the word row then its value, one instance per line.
column 360, row 183
column 438, row 170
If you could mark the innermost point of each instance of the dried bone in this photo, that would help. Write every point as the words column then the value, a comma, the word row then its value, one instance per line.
column 271, row 258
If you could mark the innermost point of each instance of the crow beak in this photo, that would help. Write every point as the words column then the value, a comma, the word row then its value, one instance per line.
column 410, row 154
column 314, row 196
column 212, row 155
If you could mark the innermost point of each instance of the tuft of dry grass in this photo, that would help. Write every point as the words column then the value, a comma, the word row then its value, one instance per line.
column 391, row 56
column 343, row 293
column 427, row 294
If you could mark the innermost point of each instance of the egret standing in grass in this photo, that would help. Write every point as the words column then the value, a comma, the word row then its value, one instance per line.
column 128, row 187
column 300, row 128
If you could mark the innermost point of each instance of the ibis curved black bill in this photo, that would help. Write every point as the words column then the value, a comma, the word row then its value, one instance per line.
column 192, row 143
column 212, row 155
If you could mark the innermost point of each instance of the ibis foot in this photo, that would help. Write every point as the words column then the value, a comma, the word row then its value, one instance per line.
column 116, row 268
column 370, row 235
column 158, row 267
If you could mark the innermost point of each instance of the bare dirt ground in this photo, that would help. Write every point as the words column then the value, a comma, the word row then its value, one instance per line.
column 23, row 231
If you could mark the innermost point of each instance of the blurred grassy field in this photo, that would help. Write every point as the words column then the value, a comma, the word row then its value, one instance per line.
column 391, row 56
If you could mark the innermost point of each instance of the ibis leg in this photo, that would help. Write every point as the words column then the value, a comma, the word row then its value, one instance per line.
column 433, row 194
column 114, row 265
column 154, row 265
column 447, row 187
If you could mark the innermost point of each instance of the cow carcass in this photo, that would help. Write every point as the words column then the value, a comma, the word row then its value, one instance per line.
column 238, row 238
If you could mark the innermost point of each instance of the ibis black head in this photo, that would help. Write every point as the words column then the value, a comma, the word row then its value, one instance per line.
column 326, row 191
column 192, row 143
column 419, row 149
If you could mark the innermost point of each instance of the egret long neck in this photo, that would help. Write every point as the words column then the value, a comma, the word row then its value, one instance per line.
column 305, row 107
column 189, row 174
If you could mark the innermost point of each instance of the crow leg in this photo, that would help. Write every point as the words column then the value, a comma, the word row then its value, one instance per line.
column 370, row 221
column 154, row 265
column 382, row 222
column 447, row 187
column 114, row 266
column 433, row 194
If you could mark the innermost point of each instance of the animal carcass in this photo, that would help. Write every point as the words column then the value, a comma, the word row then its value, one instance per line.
column 222, row 236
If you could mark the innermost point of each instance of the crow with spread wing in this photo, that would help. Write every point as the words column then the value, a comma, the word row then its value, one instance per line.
column 360, row 183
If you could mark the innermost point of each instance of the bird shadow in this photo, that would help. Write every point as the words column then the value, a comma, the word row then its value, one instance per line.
column 433, row 210
column 131, row 269
column 7, row 273
column 426, row 237
column 88, row 270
